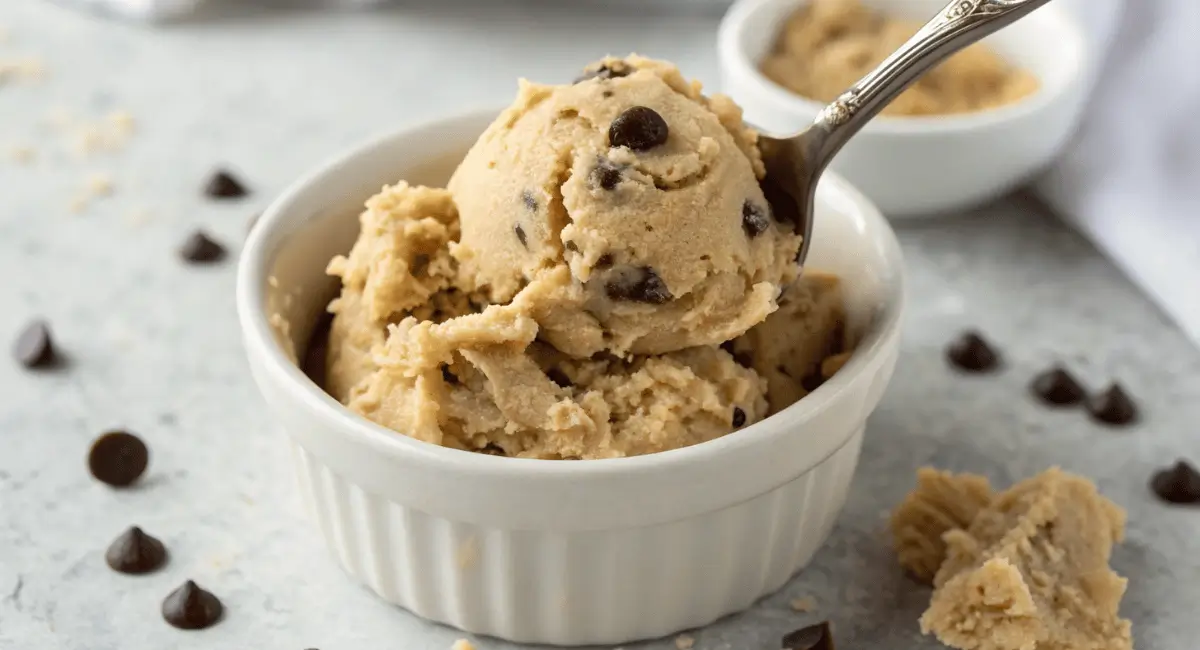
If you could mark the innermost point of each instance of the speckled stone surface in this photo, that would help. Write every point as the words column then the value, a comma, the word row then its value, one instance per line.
column 153, row 345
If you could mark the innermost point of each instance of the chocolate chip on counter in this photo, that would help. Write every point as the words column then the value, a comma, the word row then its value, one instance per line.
column 754, row 221
column 135, row 552
column 638, row 128
column 604, row 261
column 191, row 608
column 1057, row 387
column 1113, row 406
column 1177, row 484
column 606, row 175
column 641, row 285
column 559, row 377
column 224, row 185
column 34, row 347
column 199, row 248
column 970, row 352
column 529, row 200
column 606, row 71
column 739, row 417
column 813, row 637
column 118, row 458
column 449, row 377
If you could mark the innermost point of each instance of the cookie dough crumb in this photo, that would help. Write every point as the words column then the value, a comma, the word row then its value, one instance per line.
column 462, row 644
column 78, row 203
column 1032, row 572
column 805, row 604
column 942, row 501
column 829, row 44
column 99, row 185
column 22, row 155
column 22, row 69
column 684, row 642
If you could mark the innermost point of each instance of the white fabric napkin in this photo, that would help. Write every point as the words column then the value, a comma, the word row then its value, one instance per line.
column 1131, row 179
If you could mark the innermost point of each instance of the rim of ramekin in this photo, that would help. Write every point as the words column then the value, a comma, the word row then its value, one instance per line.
column 731, row 49
column 252, row 278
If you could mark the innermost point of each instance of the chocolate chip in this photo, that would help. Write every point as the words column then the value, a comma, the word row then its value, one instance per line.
column 754, row 222
column 520, row 234
column 604, row 261
column 739, row 417
column 606, row 94
column 606, row 71
column 559, row 377
column 223, row 185
column 640, row 285
column 638, row 128
column 529, row 200
column 1113, row 406
column 606, row 175
column 1177, row 484
column 34, row 347
column 317, row 352
column 970, row 352
column 449, row 377
column 813, row 637
column 135, row 552
column 118, row 458
column 1057, row 387
column 199, row 248
column 420, row 263
column 191, row 608
column 571, row 246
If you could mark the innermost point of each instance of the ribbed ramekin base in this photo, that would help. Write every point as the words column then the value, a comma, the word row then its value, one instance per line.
column 578, row 587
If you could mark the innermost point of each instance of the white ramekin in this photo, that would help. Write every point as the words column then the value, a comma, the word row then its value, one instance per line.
column 916, row 166
column 559, row 552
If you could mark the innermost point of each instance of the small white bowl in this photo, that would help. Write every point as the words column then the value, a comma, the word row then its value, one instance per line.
column 916, row 166
column 558, row 552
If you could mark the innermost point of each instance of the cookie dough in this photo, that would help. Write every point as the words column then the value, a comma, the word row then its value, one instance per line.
column 646, row 191
column 830, row 44
column 1031, row 572
column 941, row 502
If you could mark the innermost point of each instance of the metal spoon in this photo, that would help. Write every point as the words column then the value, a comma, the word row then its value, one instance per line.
column 795, row 162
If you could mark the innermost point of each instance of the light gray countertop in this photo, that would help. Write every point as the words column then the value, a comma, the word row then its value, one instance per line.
column 154, row 345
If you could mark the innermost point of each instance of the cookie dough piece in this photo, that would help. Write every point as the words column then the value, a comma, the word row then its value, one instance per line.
column 1031, row 572
column 941, row 502
column 791, row 347
column 645, row 191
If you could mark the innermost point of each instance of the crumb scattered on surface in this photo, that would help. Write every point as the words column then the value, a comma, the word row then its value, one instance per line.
column 684, row 642
column 805, row 604
column 828, row 45
column 22, row 155
column 100, row 184
column 462, row 644
column 21, row 69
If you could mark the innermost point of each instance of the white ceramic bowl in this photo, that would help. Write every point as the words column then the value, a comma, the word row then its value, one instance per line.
column 559, row 552
column 914, row 166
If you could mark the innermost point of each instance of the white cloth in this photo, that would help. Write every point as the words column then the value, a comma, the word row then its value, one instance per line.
column 1131, row 180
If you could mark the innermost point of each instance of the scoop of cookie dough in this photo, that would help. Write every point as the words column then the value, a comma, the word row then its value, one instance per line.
column 1031, row 572
column 643, row 194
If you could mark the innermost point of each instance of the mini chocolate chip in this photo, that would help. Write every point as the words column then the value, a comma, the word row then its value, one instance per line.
column 1113, row 406
column 199, row 248
column 449, row 377
column 606, row 71
column 813, row 637
column 643, row 285
column 520, row 234
column 529, row 200
column 559, row 377
column 135, row 552
column 1178, row 484
column 970, row 352
column 604, row 261
column 739, row 417
column 191, row 608
column 638, row 128
column 224, row 185
column 606, row 175
column 34, row 347
column 606, row 94
column 420, row 263
column 571, row 246
column 1057, row 387
column 754, row 222
column 118, row 458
